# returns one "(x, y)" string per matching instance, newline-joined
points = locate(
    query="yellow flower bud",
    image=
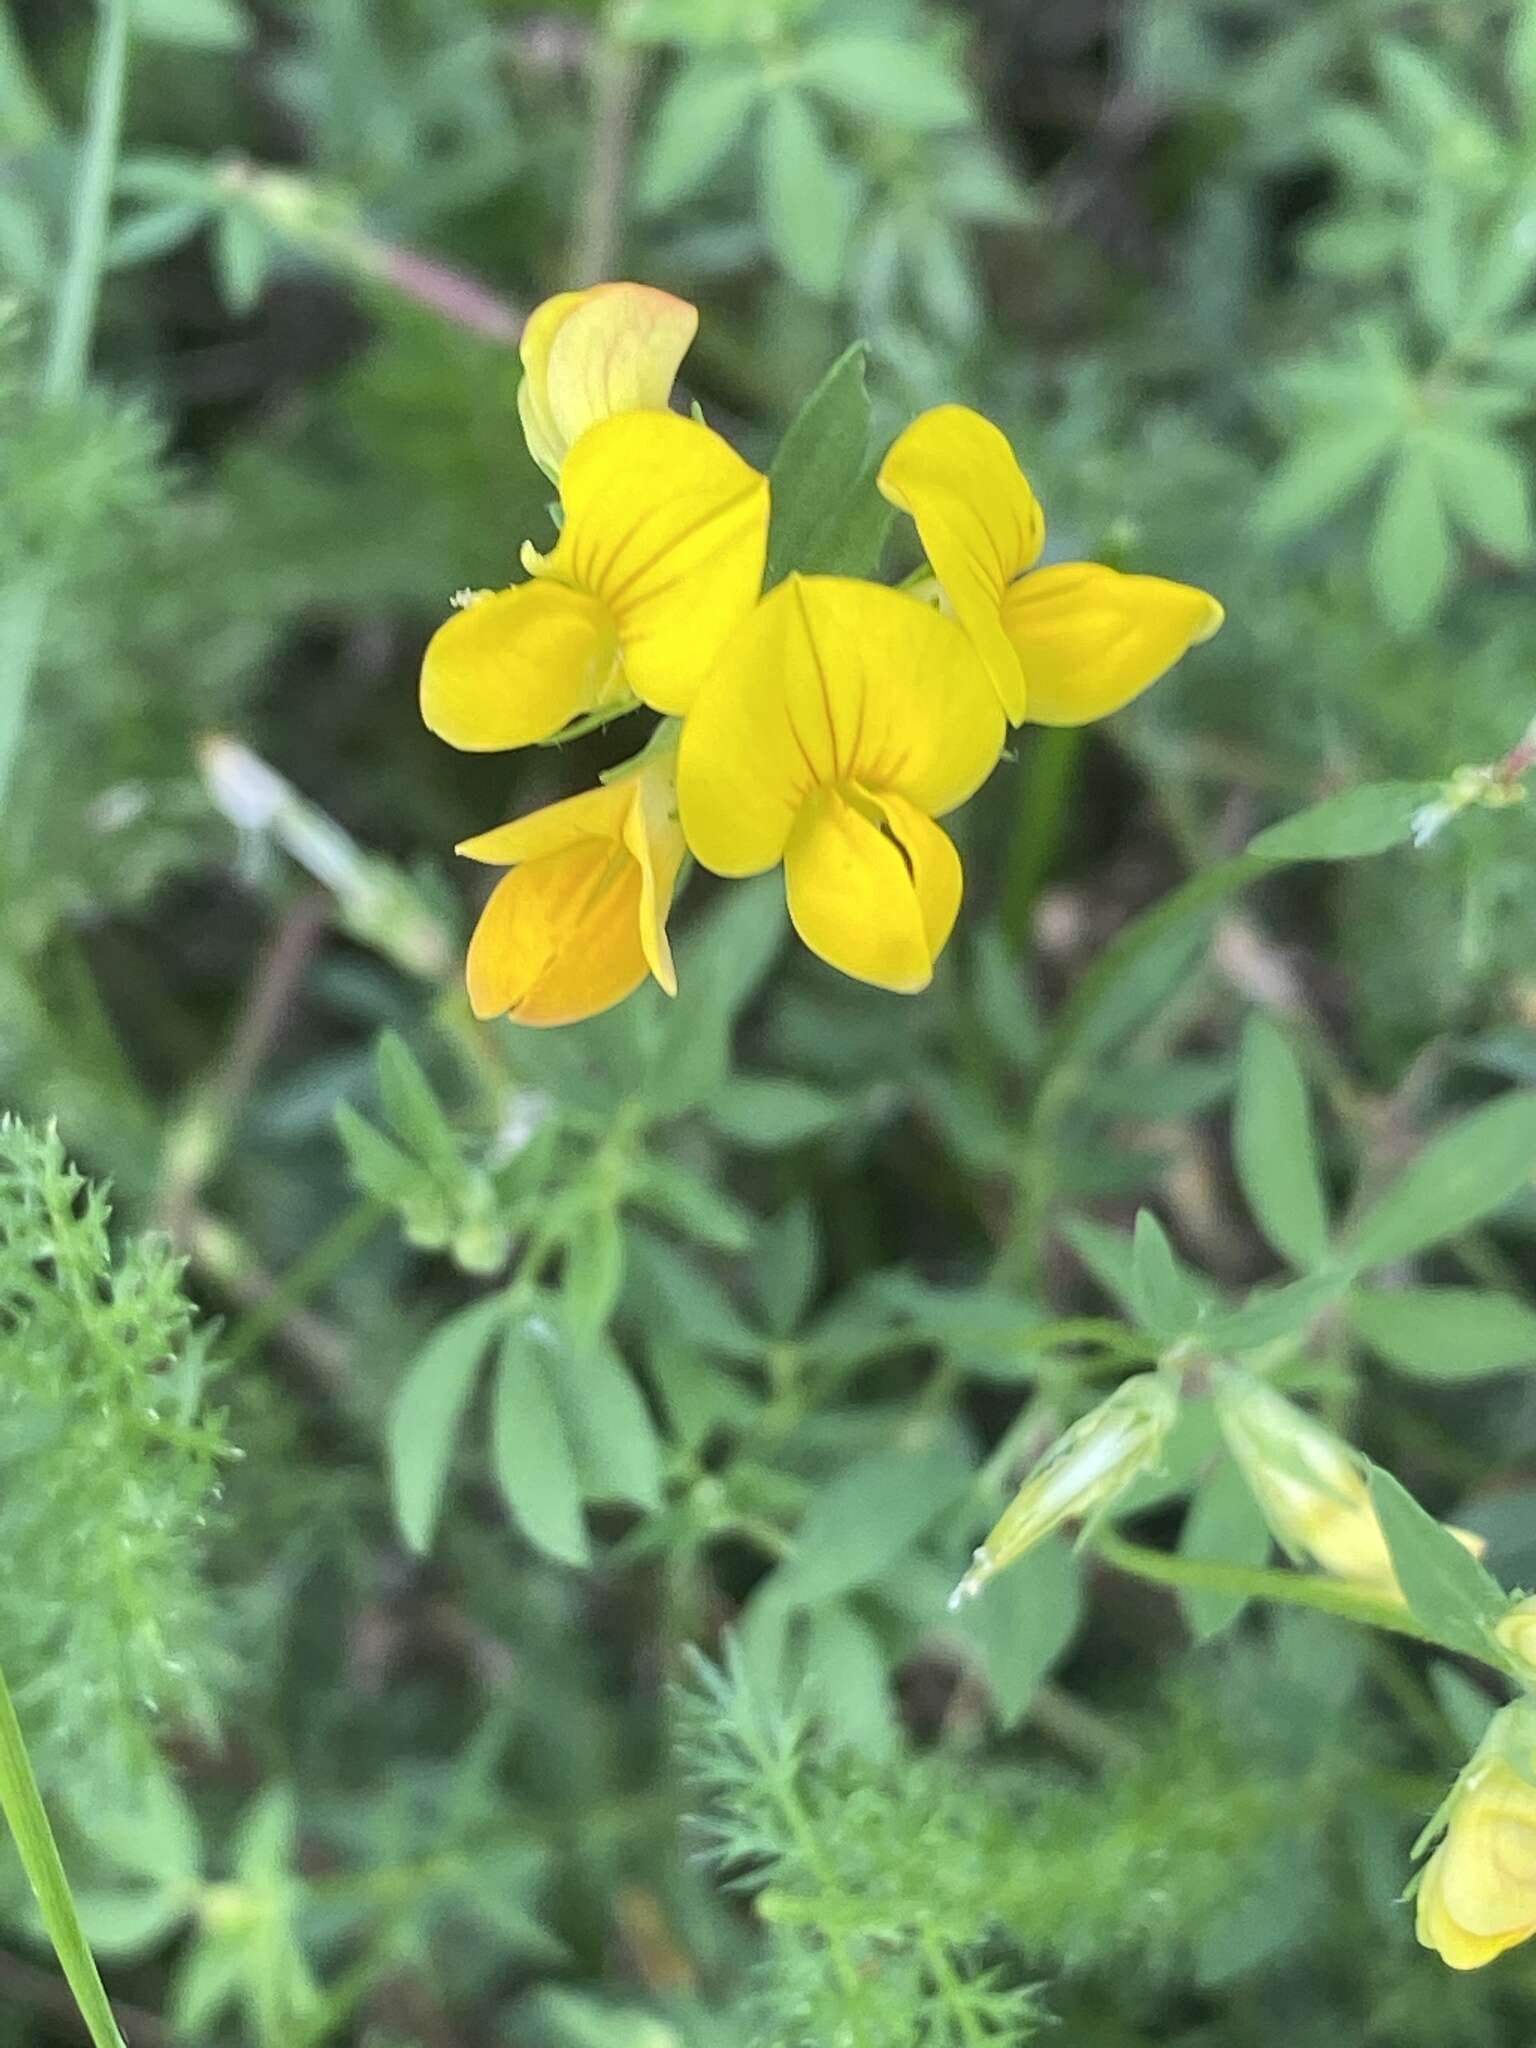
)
(1087, 1466)
(1517, 1633)
(1311, 1486)
(1477, 1895)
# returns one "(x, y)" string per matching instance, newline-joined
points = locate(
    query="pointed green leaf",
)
(1276, 1147)
(424, 1415)
(1461, 1176)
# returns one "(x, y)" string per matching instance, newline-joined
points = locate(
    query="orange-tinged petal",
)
(668, 528)
(851, 896)
(516, 665)
(589, 355)
(831, 681)
(978, 520)
(559, 938)
(1089, 639)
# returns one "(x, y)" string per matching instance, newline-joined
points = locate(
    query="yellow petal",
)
(515, 666)
(933, 864)
(978, 520)
(655, 840)
(559, 938)
(591, 354)
(595, 814)
(831, 681)
(1090, 639)
(668, 528)
(1439, 1927)
(851, 895)
(1488, 1858)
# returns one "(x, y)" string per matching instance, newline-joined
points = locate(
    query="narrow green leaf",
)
(1445, 1333)
(1165, 1300)
(1276, 1147)
(769, 1113)
(862, 1521)
(1273, 1312)
(1023, 1623)
(200, 24)
(827, 516)
(887, 78)
(1447, 1590)
(1485, 485)
(424, 1414)
(701, 115)
(412, 1107)
(1322, 472)
(1410, 555)
(1368, 819)
(530, 1449)
(1461, 1176)
(613, 1443)
(698, 1209)
(848, 1677)
(1223, 1525)
(809, 199)
(27, 1819)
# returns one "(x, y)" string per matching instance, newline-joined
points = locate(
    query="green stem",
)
(75, 313)
(25, 610)
(616, 74)
(25, 116)
(25, 1815)
(1042, 808)
(319, 1266)
(1290, 1589)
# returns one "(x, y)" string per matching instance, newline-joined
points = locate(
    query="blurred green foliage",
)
(731, 1323)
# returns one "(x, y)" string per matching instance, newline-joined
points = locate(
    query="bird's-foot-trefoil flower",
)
(1477, 1892)
(1310, 1485)
(1516, 1633)
(581, 918)
(1064, 644)
(660, 557)
(1088, 1466)
(590, 354)
(839, 722)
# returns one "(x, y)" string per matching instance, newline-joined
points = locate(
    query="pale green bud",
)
(1089, 1465)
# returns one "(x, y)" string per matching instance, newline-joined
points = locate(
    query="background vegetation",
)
(353, 1569)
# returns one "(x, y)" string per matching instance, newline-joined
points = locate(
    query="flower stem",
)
(616, 72)
(25, 1815)
(64, 366)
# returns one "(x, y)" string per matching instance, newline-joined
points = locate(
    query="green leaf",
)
(665, 1288)
(696, 1208)
(786, 1266)
(424, 1414)
(1447, 1590)
(1365, 820)
(887, 78)
(848, 1679)
(608, 1427)
(1484, 484)
(1166, 1302)
(530, 1451)
(827, 517)
(1023, 1622)
(201, 24)
(413, 1109)
(1461, 1176)
(1108, 1254)
(1273, 1312)
(242, 256)
(1410, 555)
(1445, 1333)
(379, 1168)
(861, 1522)
(593, 1272)
(720, 967)
(809, 200)
(1276, 1147)
(1223, 1525)
(1325, 469)
(769, 1113)
(704, 111)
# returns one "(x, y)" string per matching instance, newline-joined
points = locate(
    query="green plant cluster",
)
(567, 1657)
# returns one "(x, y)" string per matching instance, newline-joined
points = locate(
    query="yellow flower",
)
(1311, 1487)
(582, 917)
(660, 556)
(588, 355)
(1063, 645)
(1477, 1896)
(839, 723)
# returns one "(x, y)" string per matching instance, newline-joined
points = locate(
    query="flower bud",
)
(1517, 1633)
(1090, 1464)
(1477, 1893)
(1310, 1485)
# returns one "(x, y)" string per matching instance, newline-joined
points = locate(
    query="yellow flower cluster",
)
(825, 726)
(1477, 1892)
